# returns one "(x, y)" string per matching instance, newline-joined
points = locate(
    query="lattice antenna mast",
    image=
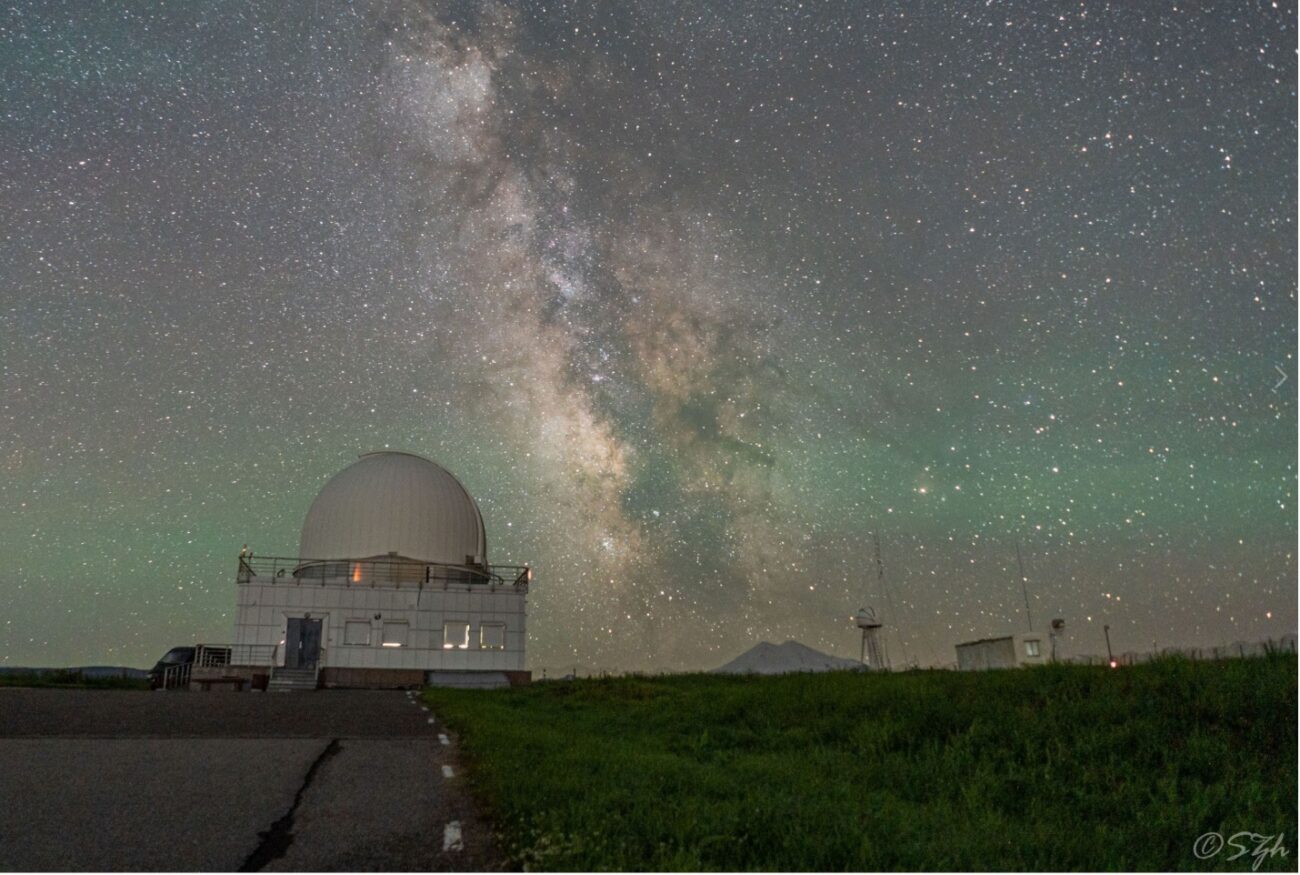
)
(889, 598)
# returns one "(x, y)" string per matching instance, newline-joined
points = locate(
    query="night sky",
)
(692, 298)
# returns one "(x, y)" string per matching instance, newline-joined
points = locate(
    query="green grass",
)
(72, 680)
(1057, 768)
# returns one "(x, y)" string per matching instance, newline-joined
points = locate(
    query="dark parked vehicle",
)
(172, 659)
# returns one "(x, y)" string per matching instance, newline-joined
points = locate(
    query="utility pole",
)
(1024, 588)
(1110, 657)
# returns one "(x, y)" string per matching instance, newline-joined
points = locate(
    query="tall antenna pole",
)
(1024, 588)
(889, 599)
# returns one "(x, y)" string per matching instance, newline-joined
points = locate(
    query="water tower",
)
(873, 652)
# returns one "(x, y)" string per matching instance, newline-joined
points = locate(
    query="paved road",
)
(331, 780)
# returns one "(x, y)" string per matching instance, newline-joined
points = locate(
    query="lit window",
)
(395, 634)
(1031, 648)
(356, 632)
(492, 636)
(455, 635)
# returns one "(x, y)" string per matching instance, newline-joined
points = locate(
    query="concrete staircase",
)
(287, 680)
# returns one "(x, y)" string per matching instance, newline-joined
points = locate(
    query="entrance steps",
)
(286, 680)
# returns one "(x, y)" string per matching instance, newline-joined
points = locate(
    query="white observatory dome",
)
(399, 503)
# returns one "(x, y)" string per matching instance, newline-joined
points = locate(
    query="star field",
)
(693, 298)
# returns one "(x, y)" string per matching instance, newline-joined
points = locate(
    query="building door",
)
(302, 643)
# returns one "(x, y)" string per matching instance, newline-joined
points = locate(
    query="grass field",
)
(1062, 767)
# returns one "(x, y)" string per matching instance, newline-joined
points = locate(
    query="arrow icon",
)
(1278, 368)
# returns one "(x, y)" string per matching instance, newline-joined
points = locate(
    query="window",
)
(455, 635)
(356, 632)
(1031, 647)
(492, 636)
(395, 634)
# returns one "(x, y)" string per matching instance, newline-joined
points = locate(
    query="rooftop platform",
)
(389, 572)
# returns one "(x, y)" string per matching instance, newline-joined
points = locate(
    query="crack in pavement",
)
(277, 838)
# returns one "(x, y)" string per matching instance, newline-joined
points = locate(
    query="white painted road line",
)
(430, 719)
(444, 739)
(451, 837)
(447, 772)
(424, 707)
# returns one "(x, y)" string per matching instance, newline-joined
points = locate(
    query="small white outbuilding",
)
(1007, 651)
(391, 587)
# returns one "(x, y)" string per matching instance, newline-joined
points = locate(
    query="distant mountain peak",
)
(791, 656)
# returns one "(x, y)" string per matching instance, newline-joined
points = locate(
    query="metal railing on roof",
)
(393, 571)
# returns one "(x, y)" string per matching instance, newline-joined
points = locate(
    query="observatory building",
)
(391, 587)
